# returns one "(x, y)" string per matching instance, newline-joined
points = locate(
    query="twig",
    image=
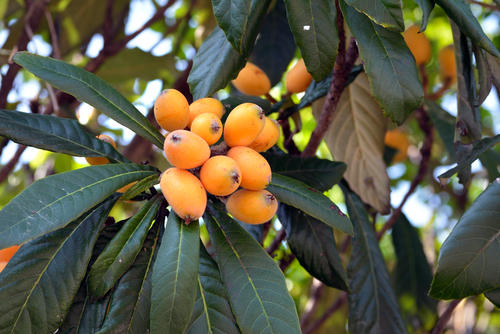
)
(286, 262)
(485, 5)
(440, 92)
(5, 171)
(445, 317)
(280, 236)
(270, 98)
(334, 307)
(317, 290)
(54, 39)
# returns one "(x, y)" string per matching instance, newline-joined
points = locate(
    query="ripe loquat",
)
(298, 79)
(171, 110)
(255, 170)
(185, 149)
(252, 207)
(267, 137)
(208, 126)
(397, 139)
(101, 160)
(206, 104)
(184, 192)
(6, 254)
(418, 44)
(252, 81)
(447, 64)
(220, 175)
(243, 124)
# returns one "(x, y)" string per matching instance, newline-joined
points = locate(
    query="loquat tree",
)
(249, 166)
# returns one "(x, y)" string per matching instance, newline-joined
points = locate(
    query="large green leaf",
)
(174, 279)
(214, 65)
(468, 259)
(141, 186)
(491, 160)
(309, 200)
(372, 304)
(494, 296)
(54, 201)
(390, 66)
(240, 20)
(89, 88)
(131, 299)
(459, 11)
(254, 283)
(38, 285)
(212, 312)
(320, 174)
(121, 252)
(313, 244)
(54, 134)
(313, 24)
(427, 6)
(386, 13)
(444, 124)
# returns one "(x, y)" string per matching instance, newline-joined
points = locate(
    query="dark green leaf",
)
(372, 304)
(444, 124)
(212, 312)
(427, 6)
(141, 186)
(494, 296)
(38, 285)
(255, 230)
(275, 46)
(54, 201)
(309, 200)
(175, 273)
(386, 13)
(459, 11)
(387, 60)
(54, 134)
(131, 298)
(314, 245)
(468, 258)
(321, 174)
(240, 20)
(477, 149)
(313, 24)
(89, 88)
(484, 75)
(214, 65)
(255, 285)
(491, 160)
(121, 252)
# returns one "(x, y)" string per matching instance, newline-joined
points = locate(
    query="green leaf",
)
(477, 149)
(313, 24)
(484, 75)
(494, 296)
(54, 134)
(212, 312)
(444, 124)
(52, 202)
(372, 304)
(214, 65)
(309, 200)
(38, 285)
(131, 299)
(468, 258)
(254, 283)
(240, 20)
(386, 13)
(314, 245)
(491, 160)
(141, 186)
(459, 11)
(387, 59)
(320, 174)
(91, 89)
(121, 252)
(174, 279)
(427, 6)
(275, 47)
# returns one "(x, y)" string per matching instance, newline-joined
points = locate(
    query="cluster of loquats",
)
(233, 168)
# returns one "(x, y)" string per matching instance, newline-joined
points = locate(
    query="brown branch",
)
(317, 290)
(337, 304)
(485, 5)
(5, 171)
(445, 317)
(285, 262)
(440, 92)
(280, 236)
(54, 39)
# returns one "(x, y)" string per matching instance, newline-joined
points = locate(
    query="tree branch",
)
(280, 236)
(338, 303)
(7, 169)
(445, 317)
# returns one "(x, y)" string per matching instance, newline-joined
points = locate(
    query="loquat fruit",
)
(397, 139)
(252, 80)
(255, 170)
(171, 110)
(208, 126)
(298, 79)
(418, 44)
(184, 192)
(6, 254)
(267, 137)
(185, 149)
(447, 64)
(243, 124)
(252, 206)
(101, 160)
(206, 104)
(220, 175)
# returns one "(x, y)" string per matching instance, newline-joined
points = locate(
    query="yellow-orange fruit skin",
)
(252, 206)
(171, 110)
(447, 64)
(243, 124)
(6, 254)
(126, 187)
(204, 105)
(184, 192)
(185, 149)
(208, 126)
(101, 160)
(255, 170)
(252, 81)
(298, 79)
(220, 175)
(418, 44)
(267, 137)
(398, 140)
